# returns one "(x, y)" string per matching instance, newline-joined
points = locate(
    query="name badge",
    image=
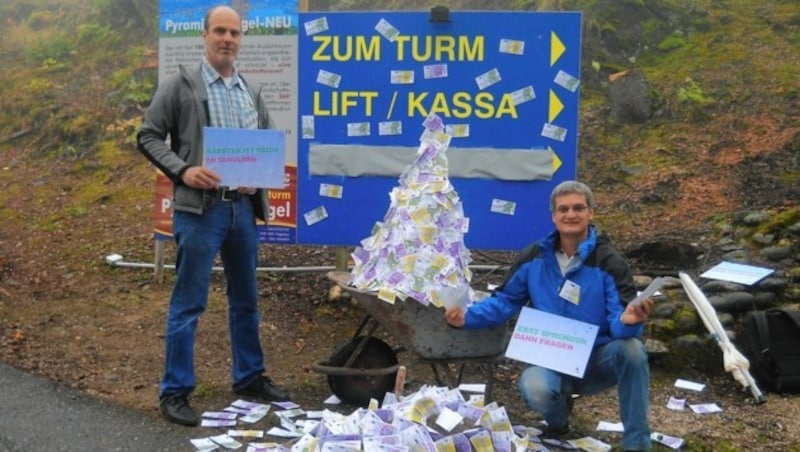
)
(570, 292)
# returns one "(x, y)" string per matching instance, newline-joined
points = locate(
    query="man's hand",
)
(636, 312)
(247, 190)
(201, 178)
(454, 316)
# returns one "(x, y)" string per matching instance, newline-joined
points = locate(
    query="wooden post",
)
(342, 256)
(158, 264)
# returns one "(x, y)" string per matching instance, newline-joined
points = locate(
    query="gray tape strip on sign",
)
(467, 163)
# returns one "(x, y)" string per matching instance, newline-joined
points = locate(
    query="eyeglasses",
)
(577, 208)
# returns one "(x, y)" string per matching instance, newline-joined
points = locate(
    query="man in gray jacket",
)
(208, 218)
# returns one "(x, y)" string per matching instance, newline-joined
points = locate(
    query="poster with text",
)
(268, 61)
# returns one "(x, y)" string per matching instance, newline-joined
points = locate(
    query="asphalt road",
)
(40, 415)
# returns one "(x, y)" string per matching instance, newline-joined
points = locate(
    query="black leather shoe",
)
(176, 409)
(262, 388)
(556, 432)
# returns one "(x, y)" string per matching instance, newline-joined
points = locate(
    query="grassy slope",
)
(78, 95)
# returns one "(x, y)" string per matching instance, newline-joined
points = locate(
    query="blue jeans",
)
(621, 362)
(227, 227)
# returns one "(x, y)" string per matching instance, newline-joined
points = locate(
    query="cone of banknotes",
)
(417, 251)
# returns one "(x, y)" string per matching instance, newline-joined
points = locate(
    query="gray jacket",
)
(179, 109)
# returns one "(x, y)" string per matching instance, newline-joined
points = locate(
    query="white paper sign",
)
(552, 341)
(246, 157)
(738, 273)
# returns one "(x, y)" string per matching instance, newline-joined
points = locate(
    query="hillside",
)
(722, 138)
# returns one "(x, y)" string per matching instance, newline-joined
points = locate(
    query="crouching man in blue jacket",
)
(576, 273)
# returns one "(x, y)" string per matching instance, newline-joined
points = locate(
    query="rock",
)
(776, 253)
(763, 239)
(688, 322)
(642, 281)
(655, 347)
(716, 286)
(772, 284)
(732, 302)
(763, 300)
(755, 218)
(726, 319)
(629, 99)
(737, 256)
(664, 310)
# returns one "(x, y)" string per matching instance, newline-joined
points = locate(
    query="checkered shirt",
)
(229, 104)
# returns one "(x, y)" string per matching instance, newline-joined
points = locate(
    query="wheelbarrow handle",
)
(349, 371)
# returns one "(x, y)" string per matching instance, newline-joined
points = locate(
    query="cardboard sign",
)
(246, 157)
(552, 341)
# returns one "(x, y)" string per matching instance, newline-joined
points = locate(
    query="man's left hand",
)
(636, 312)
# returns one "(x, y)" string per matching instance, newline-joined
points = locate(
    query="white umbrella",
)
(733, 360)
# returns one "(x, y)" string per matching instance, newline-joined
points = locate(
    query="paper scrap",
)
(390, 128)
(610, 426)
(387, 30)
(307, 126)
(488, 79)
(554, 132)
(512, 46)
(204, 444)
(226, 441)
(676, 404)
(401, 77)
(669, 441)
(315, 26)
(217, 423)
(523, 95)
(472, 387)
(316, 215)
(503, 206)
(649, 291)
(328, 78)
(690, 385)
(566, 81)
(590, 444)
(246, 433)
(430, 71)
(706, 408)
(448, 419)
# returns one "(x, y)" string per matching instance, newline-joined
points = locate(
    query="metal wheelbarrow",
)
(366, 367)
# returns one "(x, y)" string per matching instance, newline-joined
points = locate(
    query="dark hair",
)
(569, 187)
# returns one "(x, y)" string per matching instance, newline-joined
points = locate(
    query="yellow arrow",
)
(556, 107)
(556, 48)
(556, 160)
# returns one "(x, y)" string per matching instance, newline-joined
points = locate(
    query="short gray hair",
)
(569, 187)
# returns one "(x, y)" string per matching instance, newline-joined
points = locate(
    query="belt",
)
(225, 195)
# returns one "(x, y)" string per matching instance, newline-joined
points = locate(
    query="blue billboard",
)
(505, 84)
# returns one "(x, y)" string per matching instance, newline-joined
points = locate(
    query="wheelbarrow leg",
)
(443, 374)
(364, 340)
(373, 325)
(487, 395)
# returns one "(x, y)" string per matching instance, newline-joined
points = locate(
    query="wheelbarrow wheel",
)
(358, 390)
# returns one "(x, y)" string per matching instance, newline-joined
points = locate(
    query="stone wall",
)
(677, 337)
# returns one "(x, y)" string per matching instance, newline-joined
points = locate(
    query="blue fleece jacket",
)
(602, 276)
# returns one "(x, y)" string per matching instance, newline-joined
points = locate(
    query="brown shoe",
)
(262, 388)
